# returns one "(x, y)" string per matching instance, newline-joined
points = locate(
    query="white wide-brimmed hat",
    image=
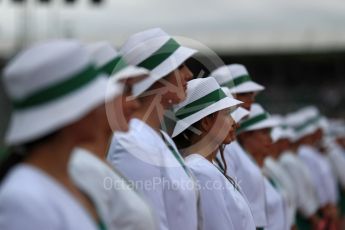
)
(109, 61)
(304, 121)
(51, 85)
(239, 113)
(156, 51)
(204, 97)
(236, 78)
(258, 119)
(281, 131)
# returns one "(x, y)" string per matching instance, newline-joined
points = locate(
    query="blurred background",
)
(296, 48)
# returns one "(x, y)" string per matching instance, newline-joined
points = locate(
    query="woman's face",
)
(121, 109)
(247, 98)
(175, 85)
(223, 128)
(258, 143)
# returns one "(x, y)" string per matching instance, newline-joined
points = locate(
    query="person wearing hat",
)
(240, 166)
(336, 155)
(203, 126)
(118, 205)
(146, 155)
(48, 85)
(254, 136)
(307, 200)
(310, 134)
(276, 172)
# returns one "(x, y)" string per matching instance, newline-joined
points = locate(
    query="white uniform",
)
(321, 172)
(32, 200)
(276, 215)
(144, 158)
(336, 156)
(275, 171)
(118, 205)
(223, 207)
(248, 175)
(307, 199)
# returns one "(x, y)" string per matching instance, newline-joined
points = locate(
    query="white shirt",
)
(32, 200)
(336, 155)
(248, 175)
(321, 172)
(223, 207)
(276, 172)
(276, 215)
(119, 206)
(307, 199)
(144, 158)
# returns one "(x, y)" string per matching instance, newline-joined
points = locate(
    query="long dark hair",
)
(183, 140)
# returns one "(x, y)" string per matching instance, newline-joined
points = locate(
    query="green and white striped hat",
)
(236, 78)
(240, 112)
(156, 51)
(204, 97)
(305, 121)
(51, 85)
(258, 119)
(109, 61)
(282, 131)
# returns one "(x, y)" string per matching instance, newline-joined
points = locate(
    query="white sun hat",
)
(156, 51)
(236, 78)
(304, 121)
(109, 61)
(51, 85)
(258, 119)
(204, 97)
(281, 131)
(239, 113)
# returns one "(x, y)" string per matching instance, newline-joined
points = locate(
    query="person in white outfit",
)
(240, 166)
(146, 155)
(58, 98)
(254, 136)
(275, 171)
(203, 126)
(117, 203)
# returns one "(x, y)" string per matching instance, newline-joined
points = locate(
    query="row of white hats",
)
(55, 83)
(57, 76)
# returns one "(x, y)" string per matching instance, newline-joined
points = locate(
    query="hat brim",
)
(239, 114)
(129, 72)
(36, 122)
(247, 87)
(163, 69)
(265, 124)
(185, 123)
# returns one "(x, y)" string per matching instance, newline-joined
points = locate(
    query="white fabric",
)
(249, 177)
(256, 110)
(197, 89)
(276, 216)
(142, 45)
(45, 65)
(118, 205)
(276, 172)
(336, 156)
(239, 114)
(321, 172)
(228, 73)
(31, 200)
(144, 158)
(307, 199)
(223, 207)
(103, 52)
